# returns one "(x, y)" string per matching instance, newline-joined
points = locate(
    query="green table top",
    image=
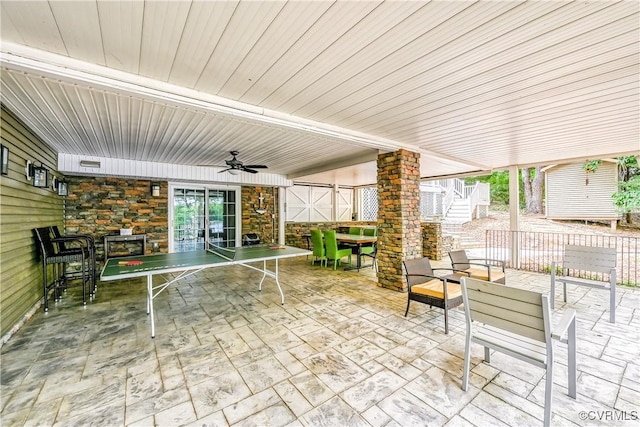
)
(118, 268)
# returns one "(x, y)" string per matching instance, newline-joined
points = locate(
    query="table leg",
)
(278, 283)
(264, 274)
(150, 304)
(358, 263)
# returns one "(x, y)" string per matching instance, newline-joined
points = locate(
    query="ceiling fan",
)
(235, 165)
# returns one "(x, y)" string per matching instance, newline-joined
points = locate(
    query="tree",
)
(628, 167)
(530, 198)
(627, 198)
(532, 184)
(499, 185)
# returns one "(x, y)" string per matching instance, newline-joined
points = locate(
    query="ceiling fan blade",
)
(224, 170)
(249, 170)
(255, 166)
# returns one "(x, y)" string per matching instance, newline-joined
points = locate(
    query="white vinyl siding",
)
(568, 196)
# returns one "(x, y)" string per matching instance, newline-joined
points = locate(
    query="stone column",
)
(399, 230)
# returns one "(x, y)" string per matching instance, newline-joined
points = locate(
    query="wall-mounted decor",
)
(4, 160)
(261, 207)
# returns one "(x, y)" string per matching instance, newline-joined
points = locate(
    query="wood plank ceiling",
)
(315, 89)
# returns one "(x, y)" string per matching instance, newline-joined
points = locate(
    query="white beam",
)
(514, 214)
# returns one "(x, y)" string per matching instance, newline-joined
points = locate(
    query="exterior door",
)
(222, 228)
(200, 215)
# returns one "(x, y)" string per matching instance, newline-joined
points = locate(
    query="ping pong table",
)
(189, 263)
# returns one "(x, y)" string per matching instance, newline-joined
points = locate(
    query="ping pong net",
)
(226, 253)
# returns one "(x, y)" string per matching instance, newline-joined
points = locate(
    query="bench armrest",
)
(487, 266)
(452, 269)
(64, 239)
(424, 275)
(86, 237)
(487, 261)
(561, 329)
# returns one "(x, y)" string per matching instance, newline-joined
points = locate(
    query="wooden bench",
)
(517, 322)
(590, 259)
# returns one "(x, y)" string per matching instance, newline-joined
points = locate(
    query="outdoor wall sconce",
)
(60, 186)
(4, 157)
(260, 209)
(155, 189)
(40, 174)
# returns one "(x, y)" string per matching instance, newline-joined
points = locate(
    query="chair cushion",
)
(433, 288)
(482, 274)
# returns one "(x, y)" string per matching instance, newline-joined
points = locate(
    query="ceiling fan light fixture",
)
(234, 171)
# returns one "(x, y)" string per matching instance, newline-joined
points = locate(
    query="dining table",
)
(358, 241)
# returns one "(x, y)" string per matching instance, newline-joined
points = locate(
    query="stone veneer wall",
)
(399, 229)
(254, 222)
(103, 205)
(432, 241)
(435, 245)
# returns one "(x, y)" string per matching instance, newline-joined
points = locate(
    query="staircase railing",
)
(478, 194)
(447, 190)
(448, 197)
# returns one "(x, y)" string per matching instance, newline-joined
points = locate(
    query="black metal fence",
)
(536, 251)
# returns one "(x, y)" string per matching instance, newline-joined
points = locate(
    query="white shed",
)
(572, 193)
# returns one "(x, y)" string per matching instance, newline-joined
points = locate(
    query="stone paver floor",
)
(339, 352)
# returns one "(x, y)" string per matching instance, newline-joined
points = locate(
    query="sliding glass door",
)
(222, 217)
(199, 215)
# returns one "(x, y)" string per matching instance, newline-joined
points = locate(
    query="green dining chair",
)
(355, 230)
(331, 248)
(370, 250)
(370, 232)
(318, 247)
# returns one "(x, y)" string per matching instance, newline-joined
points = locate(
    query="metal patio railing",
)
(535, 251)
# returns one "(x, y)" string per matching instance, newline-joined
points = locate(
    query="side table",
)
(138, 238)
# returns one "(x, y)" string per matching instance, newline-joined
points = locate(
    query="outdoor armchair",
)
(427, 288)
(491, 270)
(517, 322)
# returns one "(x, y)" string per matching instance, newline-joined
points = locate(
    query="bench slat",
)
(500, 301)
(502, 291)
(584, 282)
(512, 343)
(588, 258)
(507, 325)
